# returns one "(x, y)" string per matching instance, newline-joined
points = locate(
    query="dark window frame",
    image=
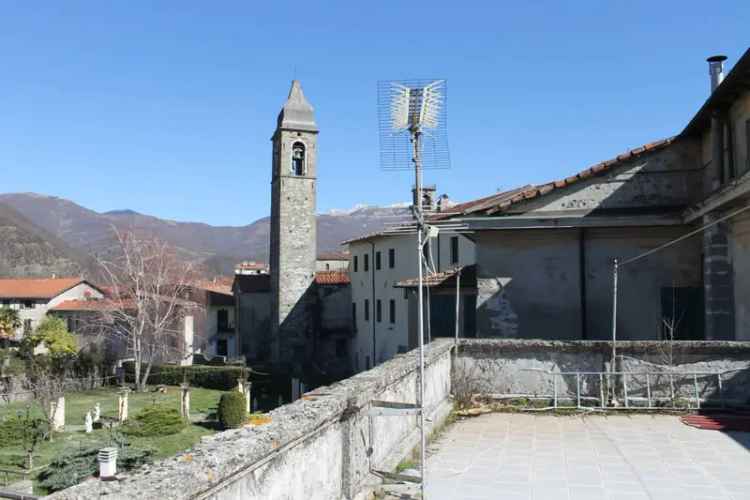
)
(391, 258)
(355, 263)
(366, 263)
(379, 311)
(454, 249)
(378, 260)
(367, 310)
(392, 311)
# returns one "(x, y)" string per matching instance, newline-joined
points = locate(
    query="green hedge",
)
(232, 406)
(222, 378)
(154, 421)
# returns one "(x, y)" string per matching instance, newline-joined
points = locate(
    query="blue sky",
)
(167, 107)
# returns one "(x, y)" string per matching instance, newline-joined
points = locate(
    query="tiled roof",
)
(251, 265)
(222, 284)
(30, 288)
(332, 278)
(445, 279)
(501, 202)
(85, 305)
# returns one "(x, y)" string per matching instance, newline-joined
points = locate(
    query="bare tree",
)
(149, 301)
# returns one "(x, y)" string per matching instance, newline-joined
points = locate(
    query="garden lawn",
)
(203, 402)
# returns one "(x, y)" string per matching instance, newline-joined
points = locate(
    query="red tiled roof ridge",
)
(332, 278)
(41, 288)
(513, 197)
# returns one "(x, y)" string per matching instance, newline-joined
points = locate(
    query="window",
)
(354, 315)
(222, 320)
(26, 326)
(379, 311)
(367, 309)
(222, 347)
(355, 263)
(454, 249)
(298, 159)
(328, 267)
(28, 304)
(367, 262)
(392, 311)
(391, 258)
(377, 261)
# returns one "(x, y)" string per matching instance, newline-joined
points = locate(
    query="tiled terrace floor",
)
(523, 456)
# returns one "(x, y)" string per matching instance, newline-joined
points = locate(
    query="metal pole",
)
(614, 330)
(420, 299)
(458, 300)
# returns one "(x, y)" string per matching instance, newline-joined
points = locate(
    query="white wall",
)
(40, 306)
(375, 285)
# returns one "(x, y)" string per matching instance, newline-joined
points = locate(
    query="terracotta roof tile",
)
(30, 288)
(85, 305)
(332, 278)
(500, 202)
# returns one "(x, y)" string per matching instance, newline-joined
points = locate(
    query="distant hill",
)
(218, 247)
(28, 250)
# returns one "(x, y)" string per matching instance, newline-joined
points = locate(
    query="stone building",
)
(545, 254)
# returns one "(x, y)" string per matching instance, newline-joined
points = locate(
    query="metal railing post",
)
(578, 389)
(601, 389)
(625, 388)
(721, 391)
(554, 390)
(697, 394)
(648, 389)
(671, 390)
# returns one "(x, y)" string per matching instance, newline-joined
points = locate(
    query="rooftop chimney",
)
(716, 70)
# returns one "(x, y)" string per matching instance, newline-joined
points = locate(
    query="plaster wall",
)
(531, 285)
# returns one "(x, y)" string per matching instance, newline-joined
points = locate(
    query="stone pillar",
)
(88, 422)
(122, 404)
(57, 412)
(240, 386)
(97, 412)
(107, 463)
(188, 337)
(718, 283)
(185, 401)
(248, 394)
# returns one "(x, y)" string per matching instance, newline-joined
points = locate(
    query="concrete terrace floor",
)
(539, 457)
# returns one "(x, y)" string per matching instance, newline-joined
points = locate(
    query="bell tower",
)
(293, 233)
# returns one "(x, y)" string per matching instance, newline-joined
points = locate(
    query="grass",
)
(203, 402)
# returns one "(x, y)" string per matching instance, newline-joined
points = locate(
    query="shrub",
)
(73, 466)
(232, 407)
(154, 421)
(222, 378)
(21, 429)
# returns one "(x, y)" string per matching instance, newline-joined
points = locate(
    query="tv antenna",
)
(413, 135)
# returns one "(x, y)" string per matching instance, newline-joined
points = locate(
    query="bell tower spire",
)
(293, 233)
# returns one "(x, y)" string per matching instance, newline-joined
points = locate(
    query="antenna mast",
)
(413, 135)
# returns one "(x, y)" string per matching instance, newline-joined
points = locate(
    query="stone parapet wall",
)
(320, 447)
(522, 367)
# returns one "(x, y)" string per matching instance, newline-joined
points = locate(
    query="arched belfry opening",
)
(298, 159)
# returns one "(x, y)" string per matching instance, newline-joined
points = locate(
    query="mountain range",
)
(43, 235)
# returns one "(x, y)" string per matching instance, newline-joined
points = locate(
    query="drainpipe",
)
(372, 303)
(582, 280)
(716, 71)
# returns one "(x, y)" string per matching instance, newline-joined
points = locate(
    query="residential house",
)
(381, 311)
(332, 261)
(33, 297)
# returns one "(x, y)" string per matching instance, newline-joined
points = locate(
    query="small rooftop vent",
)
(716, 70)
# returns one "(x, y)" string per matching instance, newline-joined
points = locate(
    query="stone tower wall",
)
(293, 248)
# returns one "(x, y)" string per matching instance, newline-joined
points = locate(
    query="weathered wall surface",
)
(320, 447)
(740, 254)
(533, 283)
(521, 366)
(254, 318)
(667, 178)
